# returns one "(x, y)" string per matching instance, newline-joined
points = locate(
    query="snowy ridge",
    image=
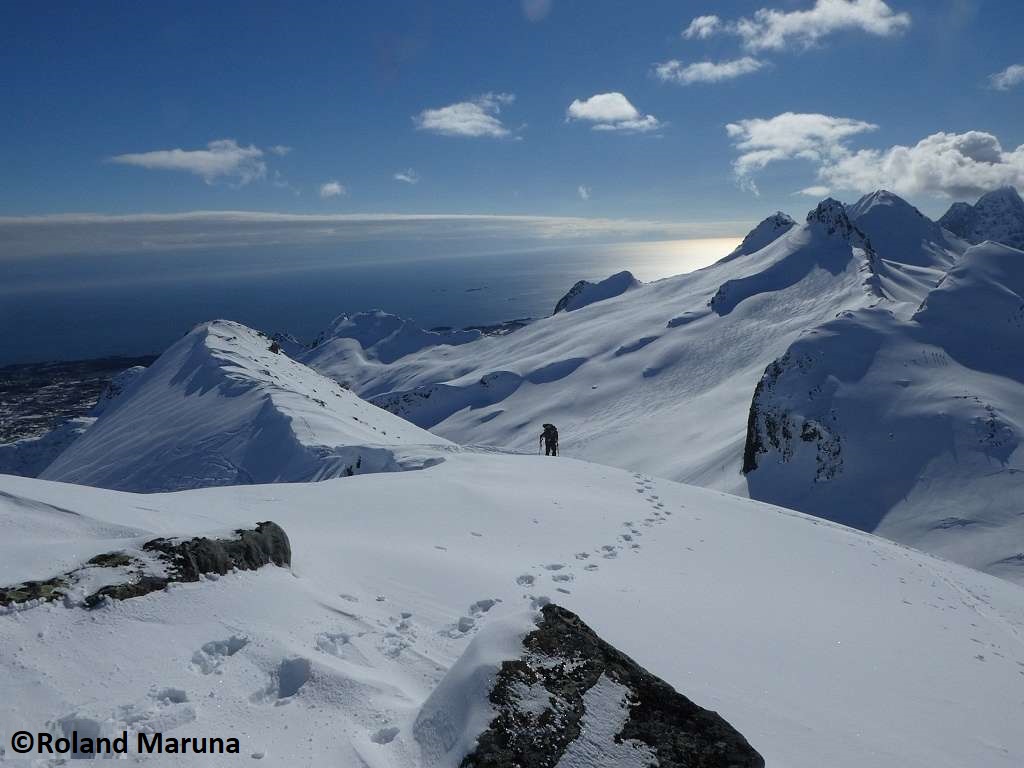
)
(908, 427)
(219, 407)
(332, 663)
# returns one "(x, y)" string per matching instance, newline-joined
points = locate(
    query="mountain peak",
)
(766, 232)
(832, 214)
(998, 216)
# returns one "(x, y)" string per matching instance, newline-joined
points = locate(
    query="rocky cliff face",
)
(997, 216)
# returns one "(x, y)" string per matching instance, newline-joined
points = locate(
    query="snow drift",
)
(819, 644)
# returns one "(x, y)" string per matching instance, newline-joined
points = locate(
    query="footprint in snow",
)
(385, 735)
(582, 555)
(481, 607)
(594, 567)
(554, 567)
(562, 577)
(526, 580)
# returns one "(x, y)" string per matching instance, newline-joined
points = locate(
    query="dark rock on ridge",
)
(565, 658)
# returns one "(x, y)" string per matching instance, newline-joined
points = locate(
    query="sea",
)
(78, 307)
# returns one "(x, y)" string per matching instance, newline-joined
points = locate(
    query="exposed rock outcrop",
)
(162, 561)
(570, 694)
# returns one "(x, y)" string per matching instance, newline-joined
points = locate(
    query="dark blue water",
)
(66, 308)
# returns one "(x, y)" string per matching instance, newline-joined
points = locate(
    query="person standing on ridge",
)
(550, 439)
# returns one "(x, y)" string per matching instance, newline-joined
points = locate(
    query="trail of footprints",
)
(561, 575)
(358, 643)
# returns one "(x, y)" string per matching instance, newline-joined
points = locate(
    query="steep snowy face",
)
(220, 407)
(900, 233)
(741, 607)
(913, 251)
(584, 293)
(765, 233)
(997, 216)
(909, 428)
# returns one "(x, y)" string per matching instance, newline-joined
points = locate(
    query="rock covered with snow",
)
(563, 696)
(584, 292)
(998, 216)
(220, 408)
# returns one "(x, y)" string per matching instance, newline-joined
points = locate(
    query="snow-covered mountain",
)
(997, 216)
(660, 377)
(219, 407)
(408, 592)
(908, 427)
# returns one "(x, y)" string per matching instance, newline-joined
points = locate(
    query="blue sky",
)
(316, 108)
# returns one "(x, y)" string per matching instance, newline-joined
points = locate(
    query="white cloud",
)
(583, 192)
(409, 176)
(814, 137)
(536, 10)
(814, 191)
(477, 117)
(771, 29)
(675, 71)
(224, 158)
(280, 150)
(612, 112)
(703, 27)
(332, 189)
(1008, 78)
(959, 165)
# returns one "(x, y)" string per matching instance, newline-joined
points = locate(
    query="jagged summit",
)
(831, 214)
(219, 407)
(998, 216)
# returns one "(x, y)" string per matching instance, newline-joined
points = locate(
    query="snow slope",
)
(909, 428)
(658, 378)
(998, 216)
(821, 645)
(218, 408)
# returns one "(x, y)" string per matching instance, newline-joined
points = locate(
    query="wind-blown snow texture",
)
(821, 645)
(220, 408)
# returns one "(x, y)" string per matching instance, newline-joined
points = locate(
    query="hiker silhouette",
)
(550, 439)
